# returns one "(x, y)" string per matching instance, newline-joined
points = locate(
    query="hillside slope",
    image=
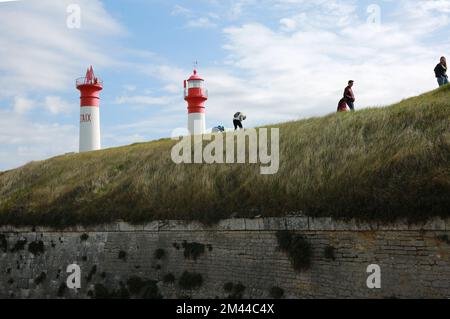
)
(376, 164)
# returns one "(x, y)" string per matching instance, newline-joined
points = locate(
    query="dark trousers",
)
(442, 80)
(351, 105)
(237, 124)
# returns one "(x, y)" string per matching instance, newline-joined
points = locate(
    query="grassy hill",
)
(376, 164)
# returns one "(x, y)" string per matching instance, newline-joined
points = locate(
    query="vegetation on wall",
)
(169, 279)
(159, 253)
(91, 274)
(40, 279)
(36, 247)
(143, 288)
(444, 238)
(236, 291)
(228, 287)
(330, 253)
(61, 290)
(297, 248)
(19, 245)
(193, 250)
(190, 280)
(276, 292)
(3, 243)
(122, 255)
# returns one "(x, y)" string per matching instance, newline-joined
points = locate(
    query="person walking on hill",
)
(441, 72)
(238, 119)
(349, 97)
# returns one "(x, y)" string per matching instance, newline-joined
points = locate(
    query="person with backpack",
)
(218, 129)
(441, 72)
(342, 106)
(349, 97)
(238, 119)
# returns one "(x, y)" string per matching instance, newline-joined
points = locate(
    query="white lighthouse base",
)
(90, 129)
(196, 123)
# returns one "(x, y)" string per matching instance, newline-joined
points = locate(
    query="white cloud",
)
(56, 105)
(143, 100)
(202, 22)
(288, 24)
(305, 72)
(38, 51)
(180, 10)
(23, 105)
(23, 140)
(195, 19)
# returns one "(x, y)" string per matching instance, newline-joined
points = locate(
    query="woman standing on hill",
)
(441, 72)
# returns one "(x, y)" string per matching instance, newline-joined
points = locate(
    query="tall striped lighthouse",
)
(89, 87)
(196, 96)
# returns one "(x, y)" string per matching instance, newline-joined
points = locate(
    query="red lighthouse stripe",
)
(89, 101)
(90, 95)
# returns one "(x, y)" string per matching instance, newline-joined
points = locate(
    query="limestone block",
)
(152, 227)
(195, 226)
(254, 224)
(232, 224)
(125, 227)
(323, 224)
(172, 225)
(273, 224)
(297, 223)
(435, 224)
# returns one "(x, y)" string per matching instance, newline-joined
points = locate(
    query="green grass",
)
(376, 164)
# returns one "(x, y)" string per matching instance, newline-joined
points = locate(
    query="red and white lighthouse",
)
(196, 96)
(90, 87)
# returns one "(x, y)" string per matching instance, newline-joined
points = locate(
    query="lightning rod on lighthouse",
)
(196, 96)
(89, 87)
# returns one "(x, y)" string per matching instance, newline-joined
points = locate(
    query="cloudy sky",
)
(275, 60)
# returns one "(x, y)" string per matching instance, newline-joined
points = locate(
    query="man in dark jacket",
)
(441, 72)
(349, 97)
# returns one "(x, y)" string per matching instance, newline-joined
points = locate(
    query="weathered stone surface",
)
(324, 223)
(398, 226)
(125, 227)
(231, 224)
(414, 259)
(297, 223)
(435, 224)
(172, 225)
(254, 224)
(274, 224)
(152, 227)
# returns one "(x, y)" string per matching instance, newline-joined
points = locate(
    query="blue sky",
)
(274, 60)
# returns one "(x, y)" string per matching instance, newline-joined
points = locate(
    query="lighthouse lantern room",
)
(196, 96)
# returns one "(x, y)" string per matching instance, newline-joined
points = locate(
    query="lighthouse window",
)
(195, 84)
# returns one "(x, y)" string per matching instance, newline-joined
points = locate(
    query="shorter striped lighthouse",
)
(196, 96)
(89, 87)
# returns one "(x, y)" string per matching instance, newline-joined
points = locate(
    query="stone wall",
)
(414, 259)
